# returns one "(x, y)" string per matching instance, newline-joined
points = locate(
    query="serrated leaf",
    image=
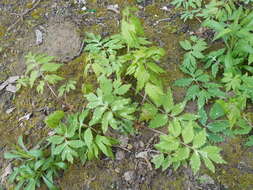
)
(222, 33)
(175, 127)
(218, 126)
(88, 137)
(192, 92)
(97, 115)
(52, 79)
(188, 133)
(158, 121)
(167, 144)
(166, 163)
(76, 143)
(178, 108)
(189, 117)
(185, 44)
(183, 82)
(181, 154)
(213, 153)
(155, 93)
(123, 89)
(203, 116)
(56, 139)
(158, 160)
(195, 162)
(215, 138)
(209, 164)
(148, 112)
(50, 67)
(54, 119)
(199, 139)
(168, 102)
(107, 117)
(249, 141)
(216, 111)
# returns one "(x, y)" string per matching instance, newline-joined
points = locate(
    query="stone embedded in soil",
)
(62, 40)
(120, 155)
(129, 176)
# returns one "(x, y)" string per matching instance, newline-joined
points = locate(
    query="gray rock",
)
(120, 155)
(129, 176)
(39, 37)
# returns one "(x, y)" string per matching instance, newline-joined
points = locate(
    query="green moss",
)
(38, 13)
(2, 31)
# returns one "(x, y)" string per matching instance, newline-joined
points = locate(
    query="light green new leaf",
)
(178, 108)
(97, 115)
(50, 67)
(168, 102)
(181, 154)
(56, 139)
(155, 93)
(175, 127)
(213, 153)
(199, 139)
(188, 133)
(107, 117)
(76, 143)
(158, 160)
(158, 121)
(148, 112)
(54, 119)
(195, 162)
(88, 137)
(209, 164)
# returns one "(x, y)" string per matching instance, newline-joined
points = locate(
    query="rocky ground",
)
(57, 27)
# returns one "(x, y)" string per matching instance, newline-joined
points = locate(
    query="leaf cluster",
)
(40, 68)
(110, 107)
(76, 139)
(35, 168)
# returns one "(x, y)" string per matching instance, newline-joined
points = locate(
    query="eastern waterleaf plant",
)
(185, 142)
(102, 57)
(40, 71)
(228, 119)
(36, 167)
(200, 88)
(110, 107)
(74, 138)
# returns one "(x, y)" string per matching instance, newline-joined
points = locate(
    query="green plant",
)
(201, 88)
(67, 87)
(75, 139)
(142, 65)
(194, 48)
(132, 32)
(187, 3)
(185, 137)
(39, 68)
(35, 167)
(102, 56)
(110, 107)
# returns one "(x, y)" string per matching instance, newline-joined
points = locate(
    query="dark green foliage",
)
(110, 107)
(35, 168)
(75, 139)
